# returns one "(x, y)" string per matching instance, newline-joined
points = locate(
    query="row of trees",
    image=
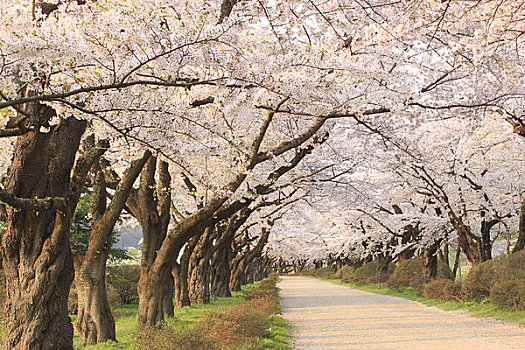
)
(459, 189)
(196, 117)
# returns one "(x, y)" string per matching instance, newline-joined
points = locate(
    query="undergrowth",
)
(246, 323)
(247, 320)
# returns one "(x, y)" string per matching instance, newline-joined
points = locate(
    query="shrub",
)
(345, 273)
(510, 293)
(123, 279)
(443, 289)
(114, 299)
(236, 326)
(510, 267)
(233, 325)
(324, 272)
(273, 276)
(169, 338)
(500, 278)
(479, 280)
(504, 278)
(368, 274)
(261, 293)
(409, 273)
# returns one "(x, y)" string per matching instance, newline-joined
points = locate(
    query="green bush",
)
(368, 274)
(509, 294)
(409, 273)
(479, 280)
(123, 280)
(443, 289)
(324, 272)
(484, 276)
(266, 289)
(273, 276)
(345, 274)
(236, 324)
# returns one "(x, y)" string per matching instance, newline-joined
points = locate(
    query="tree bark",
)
(220, 277)
(465, 240)
(95, 322)
(150, 205)
(36, 256)
(180, 275)
(430, 262)
(240, 271)
(456, 265)
(520, 243)
(199, 269)
(237, 276)
(485, 245)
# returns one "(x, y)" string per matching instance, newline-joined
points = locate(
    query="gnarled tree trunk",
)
(95, 322)
(199, 270)
(240, 271)
(180, 275)
(151, 207)
(468, 245)
(220, 277)
(37, 259)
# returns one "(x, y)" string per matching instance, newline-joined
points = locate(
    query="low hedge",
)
(409, 273)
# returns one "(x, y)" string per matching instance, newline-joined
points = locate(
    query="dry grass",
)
(235, 326)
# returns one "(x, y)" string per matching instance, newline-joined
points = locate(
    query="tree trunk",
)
(35, 247)
(220, 277)
(486, 241)
(430, 262)
(456, 265)
(383, 261)
(180, 275)
(94, 323)
(465, 240)
(199, 270)
(152, 290)
(446, 253)
(520, 243)
(150, 205)
(237, 273)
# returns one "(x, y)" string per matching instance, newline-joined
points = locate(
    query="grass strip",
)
(208, 326)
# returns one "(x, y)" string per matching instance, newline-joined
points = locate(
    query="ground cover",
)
(247, 320)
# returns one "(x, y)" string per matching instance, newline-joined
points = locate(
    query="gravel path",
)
(328, 316)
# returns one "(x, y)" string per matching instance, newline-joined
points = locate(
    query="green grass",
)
(476, 308)
(126, 324)
(279, 337)
(125, 327)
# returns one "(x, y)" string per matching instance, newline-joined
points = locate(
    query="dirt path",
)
(328, 316)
